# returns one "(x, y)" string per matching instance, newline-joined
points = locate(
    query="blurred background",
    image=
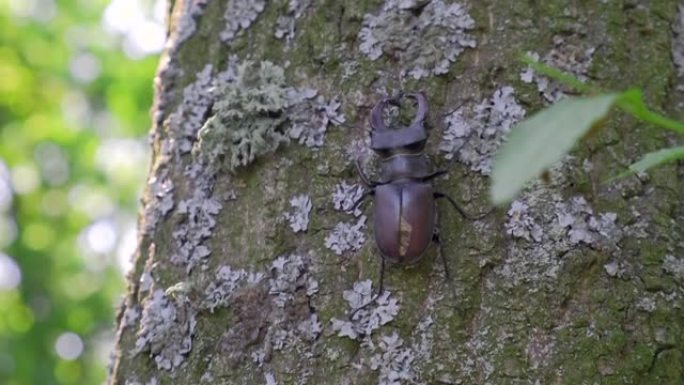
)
(75, 93)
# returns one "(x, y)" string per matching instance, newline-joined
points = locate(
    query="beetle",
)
(404, 204)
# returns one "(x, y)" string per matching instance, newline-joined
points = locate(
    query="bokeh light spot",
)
(143, 34)
(120, 16)
(127, 245)
(69, 346)
(123, 160)
(5, 189)
(25, 178)
(10, 273)
(82, 285)
(85, 67)
(101, 236)
(91, 200)
(147, 38)
(76, 110)
(53, 163)
(41, 10)
(8, 231)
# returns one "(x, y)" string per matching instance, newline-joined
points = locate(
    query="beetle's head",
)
(388, 141)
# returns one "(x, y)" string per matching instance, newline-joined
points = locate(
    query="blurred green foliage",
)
(73, 157)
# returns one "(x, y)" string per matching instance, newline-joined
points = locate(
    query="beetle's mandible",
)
(404, 200)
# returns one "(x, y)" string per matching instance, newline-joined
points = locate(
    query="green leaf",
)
(653, 159)
(632, 101)
(556, 74)
(535, 144)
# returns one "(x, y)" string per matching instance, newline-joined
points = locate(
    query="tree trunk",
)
(252, 260)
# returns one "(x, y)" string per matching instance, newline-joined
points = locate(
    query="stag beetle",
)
(404, 201)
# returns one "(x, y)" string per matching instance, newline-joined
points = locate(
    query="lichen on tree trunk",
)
(252, 259)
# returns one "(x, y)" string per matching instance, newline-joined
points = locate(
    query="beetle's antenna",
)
(439, 195)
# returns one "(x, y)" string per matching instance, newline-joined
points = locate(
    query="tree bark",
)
(251, 260)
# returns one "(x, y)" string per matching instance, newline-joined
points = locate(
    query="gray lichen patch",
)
(394, 361)
(582, 226)
(675, 266)
(346, 196)
(197, 219)
(198, 97)
(474, 133)
(166, 329)
(544, 239)
(270, 379)
(647, 304)
(285, 25)
(423, 342)
(310, 115)
(367, 313)
(130, 316)
(289, 275)
(563, 56)
(269, 314)
(183, 125)
(161, 202)
(247, 116)
(678, 43)
(521, 225)
(347, 236)
(219, 292)
(187, 25)
(299, 216)
(294, 323)
(426, 37)
(256, 111)
(152, 381)
(540, 348)
(484, 344)
(239, 15)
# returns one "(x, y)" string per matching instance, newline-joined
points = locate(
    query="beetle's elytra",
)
(404, 199)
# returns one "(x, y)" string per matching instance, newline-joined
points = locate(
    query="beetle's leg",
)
(447, 272)
(439, 195)
(362, 198)
(439, 173)
(381, 287)
(435, 239)
(369, 183)
(434, 175)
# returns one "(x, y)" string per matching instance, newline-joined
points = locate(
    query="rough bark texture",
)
(247, 274)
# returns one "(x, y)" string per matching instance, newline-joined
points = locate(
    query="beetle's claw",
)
(376, 120)
(422, 108)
